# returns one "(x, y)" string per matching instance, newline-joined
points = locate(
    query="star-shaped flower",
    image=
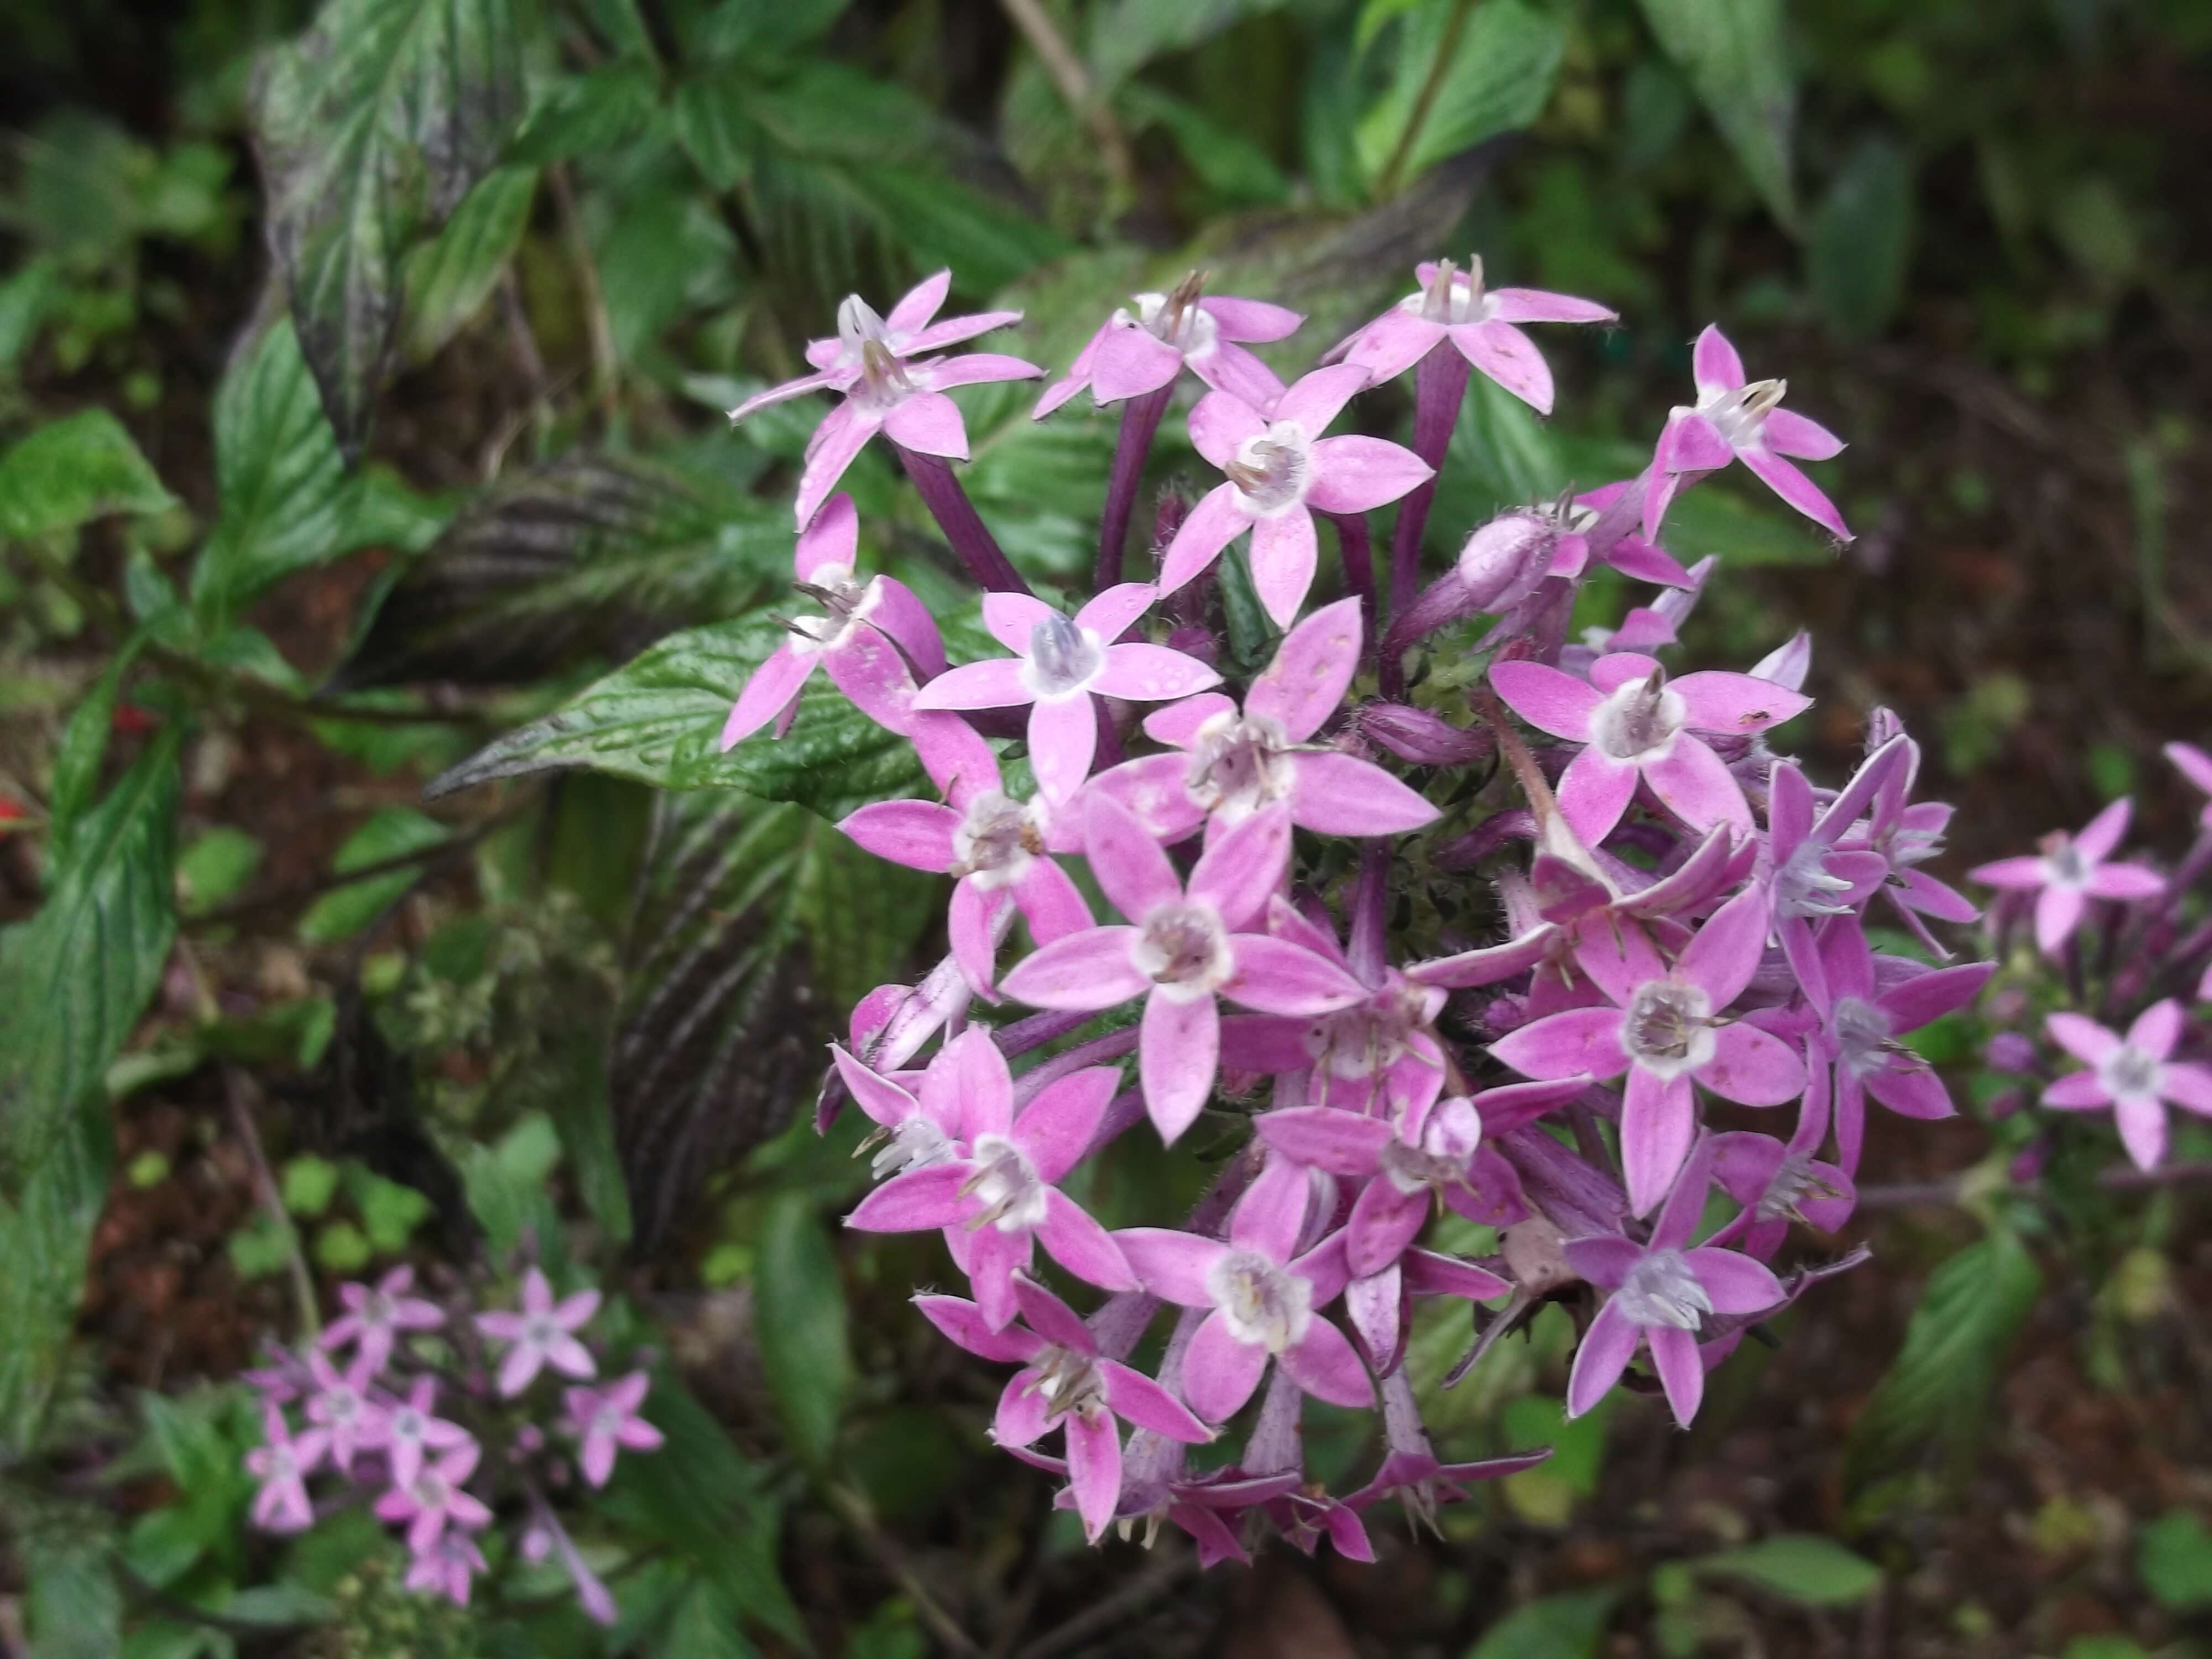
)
(606, 1420)
(1449, 304)
(1143, 346)
(2135, 1076)
(543, 1334)
(2071, 871)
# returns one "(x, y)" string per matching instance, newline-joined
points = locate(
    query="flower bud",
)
(2008, 1051)
(1535, 1255)
(1423, 738)
(1504, 559)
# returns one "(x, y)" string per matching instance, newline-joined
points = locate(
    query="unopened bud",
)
(1197, 642)
(2008, 1051)
(1536, 1257)
(1423, 738)
(1504, 559)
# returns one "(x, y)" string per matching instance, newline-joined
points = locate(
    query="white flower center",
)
(1639, 721)
(1176, 319)
(2129, 1073)
(1373, 1036)
(539, 1331)
(846, 602)
(1802, 885)
(1661, 1290)
(1667, 1027)
(1183, 949)
(1238, 764)
(431, 1491)
(1864, 1036)
(1063, 660)
(916, 1144)
(1069, 1383)
(342, 1405)
(407, 1423)
(1413, 1168)
(2066, 866)
(1263, 1303)
(1741, 415)
(1006, 1186)
(1793, 1179)
(995, 841)
(1452, 295)
(1270, 471)
(606, 1421)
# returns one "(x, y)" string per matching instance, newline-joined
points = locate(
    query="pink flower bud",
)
(1426, 740)
(1504, 559)
(2008, 1051)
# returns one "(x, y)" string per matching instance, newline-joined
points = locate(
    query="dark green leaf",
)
(371, 128)
(1800, 1567)
(659, 719)
(2174, 1558)
(589, 113)
(746, 29)
(71, 472)
(588, 557)
(216, 866)
(1232, 165)
(506, 1187)
(83, 745)
(1567, 1627)
(75, 1606)
(944, 222)
(1732, 52)
(798, 1305)
(449, 279)
(1126, 34)
(1862, 240)
(1935, 1398)
(1498, 78)
(391, 832)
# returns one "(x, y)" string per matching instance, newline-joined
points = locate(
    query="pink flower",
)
(434, 1500)
(281, 1464)
(1809, 877)
(1184, 949)
(858, 640)
(542, 1334)
(1665, 1030)
(995, 1188)
(994, 846)
(1065, 1382)
(607, 1418)
(1908, 833)
(1634, 723)
(546, 1536)
(1777, 1184)
(2197, 766)
(375, 1318)
(871, 361)
(406, 1432)
(1735, 421)
(447, 1568)
(1061, 666)
(1864, 1020)
(1232, 762)
(1135, 352)
(1261, 1298)
(340, 1404)
(2071, 871)
(2133, 1075)
(1450, 304)
(1280, 469)
(1661, 1296)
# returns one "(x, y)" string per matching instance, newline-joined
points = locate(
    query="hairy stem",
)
(962, 525)
(1439, 389)
(1140, 423)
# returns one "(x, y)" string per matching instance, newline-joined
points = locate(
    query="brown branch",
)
(1074, 79)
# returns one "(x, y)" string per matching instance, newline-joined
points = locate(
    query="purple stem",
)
(1140, 423)
(1578, 1199)
(1097, 1052)
(1276, 1445)
(957, 517)
(1439, 389)
(1370, 909)
(1358, 550)
(1444, 602)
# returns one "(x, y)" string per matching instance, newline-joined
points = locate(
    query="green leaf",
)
(1504, 57)
(68, 472)
(1733, 54)
(799, 1317)
(371, 128)
(391, 832)
(761, 28)
(449, 279)
(389, 1211)
(506, 1184)
(1126, 34)
(1801, 1567)
(1567, 1627)
(1862, 240)
(2174, 1558)
(83, 745)
(1936, 1395)
(941, 221)
(659, 720)
(588, 557)
(75, 1606)
(1232, 165)
(286, 500)
(216, 866)
(589, 113)
(307, 1184)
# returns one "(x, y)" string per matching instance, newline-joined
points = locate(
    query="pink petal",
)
(1657, 1119)
(1110, 614)
(1534, 305)
(1055, 1129)
(1253, 320)
(919, 1200)
(784, 392)
(2141, 1124)
(1486, 965)
(1594, 791)
(972, 929)
(2125, 882)
(2078, 1091)
(2057, 913)
(1693, 785)
(1218, 1372)
(2189, 1086)
(1675, 1356)
(1152, 790)
(1094, 1460)
(1323, 1363)
(899, 614)
(1081, 972)
(1171, 1264)
(1312, 670)
(1012, 618)
(1338, 795)
(2014, 873)
(1051, 903)
(1383, 1221)
(1548, 700)
(1242, 869)
(918, 305)
(832, 538)
(1911, 1089)
(1178, 1050)
(1690, 445)
(1130, 362)
(1725, 953)
(953, 330)
(996, 682)
(1315, 399)
(1929, 996)
(2081, 1037)
(1215, 521)
(1607, 1347)
(1753, 1068)
(844, 433)
(520, 1369)
(1128, 863)
(1784, 479)
(976, 368)
(1076, 1241)
(1323, 1138)
(1508, 357)
(1229, 368)
(772, 689)
(1605, 1261)
(1788, 432)
(1356, 475)
(1063, 738)
(875, 679)
(883, 1101)
(1566, 1044)
(1722, 702)
(928, 422)
(1135, 1398)
(1177, 725)
(1285, 550)
(1152, 673)
(964, 1323)
(1272, 1214)
(1393, 343)
(1736, 1284)
(1221, 424)
(1715, 364)
(1618, 959)
(1278, 977)
(2157, 1029)
(917, 833)
(1023, 1415)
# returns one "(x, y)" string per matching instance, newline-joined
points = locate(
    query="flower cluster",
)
(2132, 948)
(396, 1400)
(1640, 918)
